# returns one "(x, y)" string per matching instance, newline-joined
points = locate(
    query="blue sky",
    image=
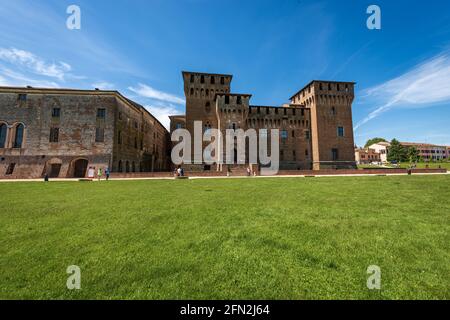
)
(273, 48)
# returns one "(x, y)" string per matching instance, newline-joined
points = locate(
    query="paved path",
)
(238, 177)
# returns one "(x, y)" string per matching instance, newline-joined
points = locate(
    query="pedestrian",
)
(249, 172)
(107, 173)
(99, 174)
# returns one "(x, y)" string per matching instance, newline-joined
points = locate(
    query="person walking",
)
(107, 173)
(99, 174)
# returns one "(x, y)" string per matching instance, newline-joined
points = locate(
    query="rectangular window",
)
(340, 131)
(54, 135)
(10, 169)
(227, 99)
(99, 135)
(303, 112)
(335, 154)
(101, 113)
(119, 137)
(56, 113)
(239, 100)
(284, 135)
(307, 135)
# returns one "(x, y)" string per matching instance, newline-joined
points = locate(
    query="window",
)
(54, 135)
(306, 152)
(56, 113)
(239, 100)
(222, 80)
(135, 143)
(22, 97)
(307, 135)
(227, 99)
(294, 155)
(192, 91)
(119, 137)
(333, 111)
(10, 169)
(340, 131)
(3, 130)
(293, 133)
(202, 79)
(284, 135)
(213, 80)
(179, 126)
(120, 167)
(99, 135)
(18, 139)
(192, 78)
(303, 112)
(101, 113)
(335, 154)
(208, 107)
(120, 115)
(321, 86)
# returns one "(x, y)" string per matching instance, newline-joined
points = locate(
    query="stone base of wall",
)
(280, 173)
(35, 167)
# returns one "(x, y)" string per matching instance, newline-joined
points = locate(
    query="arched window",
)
(18, 139)
(133, 166)
(3, 130)
(120, 167)
(127, 166)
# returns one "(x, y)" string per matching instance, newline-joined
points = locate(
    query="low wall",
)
(280, 173)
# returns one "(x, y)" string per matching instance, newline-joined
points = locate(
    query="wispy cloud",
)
(149, 92)
(13, 78)
(32, 63)
(425, 85)
(162, 113)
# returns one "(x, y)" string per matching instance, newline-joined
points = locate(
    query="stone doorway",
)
(80, 168)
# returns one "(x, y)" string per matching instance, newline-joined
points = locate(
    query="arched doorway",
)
(53, 168)
(79, 168)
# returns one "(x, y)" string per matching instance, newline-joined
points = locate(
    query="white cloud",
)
(13, 78)
(104, 85)
(35, 64)
(426, 84)
(162, 113)
(149, 92)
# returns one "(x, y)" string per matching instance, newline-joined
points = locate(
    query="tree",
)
(397, 152)
(413, 154)
(374, 141)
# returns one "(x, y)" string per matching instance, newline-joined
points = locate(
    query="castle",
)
(61, 132)
(316, 127)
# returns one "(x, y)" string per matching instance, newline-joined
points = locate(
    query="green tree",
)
(397, 152)
(413, 154)
(374, 141)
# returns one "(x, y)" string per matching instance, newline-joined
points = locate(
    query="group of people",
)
(100, 172)
(179, 172)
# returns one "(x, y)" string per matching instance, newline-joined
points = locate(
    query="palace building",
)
(63, 132)
(316, 127)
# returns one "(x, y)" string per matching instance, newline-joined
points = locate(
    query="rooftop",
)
(323, 81)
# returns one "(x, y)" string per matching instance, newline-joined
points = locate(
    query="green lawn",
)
(288, 238)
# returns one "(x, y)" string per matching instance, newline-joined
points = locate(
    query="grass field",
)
(288, 238)
(406, 165)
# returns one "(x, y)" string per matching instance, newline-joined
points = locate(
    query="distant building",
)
(428, 152)
(367, 156)
(383, 149)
